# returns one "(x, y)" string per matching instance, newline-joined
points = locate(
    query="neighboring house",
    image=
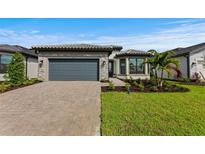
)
(31, 59)
(74, 61)
(192, 60)
(130, 64)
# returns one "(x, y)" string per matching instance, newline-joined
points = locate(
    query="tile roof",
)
(190, 49)
(88, 47)
(17, 48)
(132, 52)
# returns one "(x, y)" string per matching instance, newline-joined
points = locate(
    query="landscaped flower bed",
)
(6, 86)
(144, 86)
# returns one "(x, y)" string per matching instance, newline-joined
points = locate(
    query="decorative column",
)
(127, 66)
(146, 69)
(117, 67)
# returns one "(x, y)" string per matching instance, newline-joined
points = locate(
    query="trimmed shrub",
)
(141, 86)
(30, 82)
(127, 86)
(154, 88)
(4, 87)
(186, 79)
(16, 70)
(111, 85)
(135, 83)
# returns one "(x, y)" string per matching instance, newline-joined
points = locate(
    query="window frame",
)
(124, 73)
(3, 67)
(136, 66)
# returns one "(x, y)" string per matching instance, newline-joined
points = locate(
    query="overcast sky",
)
(142, 34)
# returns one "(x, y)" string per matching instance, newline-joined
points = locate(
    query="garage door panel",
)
(73, 69)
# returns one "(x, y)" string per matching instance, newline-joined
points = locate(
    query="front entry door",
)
(110, 68)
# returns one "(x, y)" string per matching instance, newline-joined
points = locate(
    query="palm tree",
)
(168, 64)
(153, 62)
(163, 62)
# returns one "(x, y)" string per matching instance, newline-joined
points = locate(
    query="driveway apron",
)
(51, 108)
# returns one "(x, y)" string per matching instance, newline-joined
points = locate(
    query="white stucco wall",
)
(32, 67)
(199, 60)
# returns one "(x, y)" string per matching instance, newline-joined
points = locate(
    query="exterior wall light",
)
(104, 62)
(40, 63)
(193, 64)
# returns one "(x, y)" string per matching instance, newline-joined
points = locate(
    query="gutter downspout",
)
(26, 67)
(188, 66)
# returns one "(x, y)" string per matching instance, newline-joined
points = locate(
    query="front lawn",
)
(180, 113)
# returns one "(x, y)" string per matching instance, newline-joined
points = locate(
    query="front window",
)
(122, 66)
(137, 65)
(4, 61)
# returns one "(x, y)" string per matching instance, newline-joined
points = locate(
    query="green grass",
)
(154, 113)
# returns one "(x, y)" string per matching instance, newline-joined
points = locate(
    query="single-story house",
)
(74, 61)
(31, 60)
(130, 64)
(192, 60)
(90, 62)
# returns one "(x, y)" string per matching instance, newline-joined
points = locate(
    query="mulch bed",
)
(173, 88)
(193, 83)
(147, 86)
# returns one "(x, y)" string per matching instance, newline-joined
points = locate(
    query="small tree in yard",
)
(163, 62)
(154, 62)
(167, 64)
(16, 70)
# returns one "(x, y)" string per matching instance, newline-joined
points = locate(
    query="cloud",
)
(163, 39)
(7, 33)
(35, 31)
(184, 21)
(86, 35)
(28, 38)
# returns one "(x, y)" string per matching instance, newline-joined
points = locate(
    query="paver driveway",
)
(51, 108)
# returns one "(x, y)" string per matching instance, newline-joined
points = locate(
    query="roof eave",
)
(180, 55)
(73, 49)
(130, 55)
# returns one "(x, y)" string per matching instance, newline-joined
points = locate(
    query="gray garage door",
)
(73, 69)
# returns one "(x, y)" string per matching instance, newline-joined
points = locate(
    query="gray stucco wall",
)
(182, 67)
(44, 56)
(199, 66)
(32, 67)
